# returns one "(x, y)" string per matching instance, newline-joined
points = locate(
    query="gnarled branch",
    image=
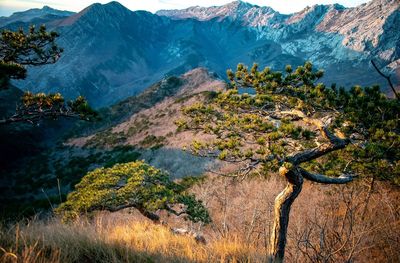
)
(174, 212)
(335, 143)
(323, 179)
(309, 155)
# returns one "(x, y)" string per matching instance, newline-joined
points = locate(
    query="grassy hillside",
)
(327, 225)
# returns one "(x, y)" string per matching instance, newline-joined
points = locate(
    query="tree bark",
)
(283, 203)
(323, 179)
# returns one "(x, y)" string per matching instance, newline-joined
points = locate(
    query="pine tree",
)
(299, 129)
(132, 185)
(19, 49)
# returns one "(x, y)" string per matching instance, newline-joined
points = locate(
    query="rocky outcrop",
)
(362, 27)
(367, 27)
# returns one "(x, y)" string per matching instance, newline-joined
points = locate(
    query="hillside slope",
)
(159, 120)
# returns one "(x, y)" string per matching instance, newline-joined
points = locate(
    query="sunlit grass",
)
(102, 241)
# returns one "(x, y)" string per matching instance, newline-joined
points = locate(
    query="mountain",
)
(368, 27)
(112, 53)
(34, 16)
(107, 59)
(247, 14)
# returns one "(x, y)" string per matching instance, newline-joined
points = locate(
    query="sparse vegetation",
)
(139, 126)
(152, 141)
(106, 138)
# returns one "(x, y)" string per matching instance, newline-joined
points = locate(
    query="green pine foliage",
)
(34, 48)
(264, 128)
(134, 184)
(18, 49)
(40, 105)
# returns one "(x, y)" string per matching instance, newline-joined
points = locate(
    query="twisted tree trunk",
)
(283, 203)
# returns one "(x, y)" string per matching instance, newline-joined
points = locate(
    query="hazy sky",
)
(7, 7)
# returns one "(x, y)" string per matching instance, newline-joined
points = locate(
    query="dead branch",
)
(387, 77)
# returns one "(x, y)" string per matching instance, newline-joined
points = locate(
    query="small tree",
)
(136, 185)
(34, 48)
(292, 125)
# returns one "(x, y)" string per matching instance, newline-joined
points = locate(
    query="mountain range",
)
(112, 53)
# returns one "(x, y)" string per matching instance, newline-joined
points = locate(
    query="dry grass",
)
(327, 224)
(344, 223)
(109, 239)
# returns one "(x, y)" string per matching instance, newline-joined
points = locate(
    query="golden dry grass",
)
(110, 241)
(327, 224)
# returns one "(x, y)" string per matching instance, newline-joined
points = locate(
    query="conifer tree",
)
(132, 185)
(19, 49)
(299, 129)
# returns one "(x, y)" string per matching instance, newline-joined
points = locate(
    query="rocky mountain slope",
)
(112, 53)
(364, 28)
(157, 121)
(245, 13)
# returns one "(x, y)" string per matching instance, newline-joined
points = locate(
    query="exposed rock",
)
(363, 27)
(182, 231)
(248, 14)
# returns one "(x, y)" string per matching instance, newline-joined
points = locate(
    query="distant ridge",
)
(34, 13)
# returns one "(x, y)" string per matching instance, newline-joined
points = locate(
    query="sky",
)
(7, 7)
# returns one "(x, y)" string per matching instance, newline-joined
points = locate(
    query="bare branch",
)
(32, 117)
(387, 77)
(323, 179)
(242, 171)
(233, 175)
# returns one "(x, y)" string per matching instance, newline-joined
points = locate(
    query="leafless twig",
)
(387, 77)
